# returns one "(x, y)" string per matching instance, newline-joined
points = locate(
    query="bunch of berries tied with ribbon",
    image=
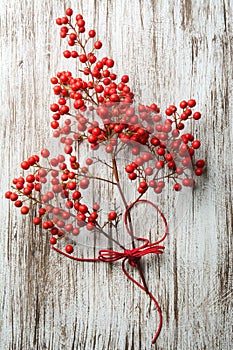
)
(96, 121)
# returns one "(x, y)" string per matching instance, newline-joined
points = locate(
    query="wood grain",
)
(171, 50)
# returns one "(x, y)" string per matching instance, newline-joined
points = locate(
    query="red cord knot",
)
(132, 258)
(132, 255)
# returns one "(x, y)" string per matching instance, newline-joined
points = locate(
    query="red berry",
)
(109, 63)
(54, 80)
(73, 36)
(76, 195)
(158, 190)
(112, 215)
(149, 171)
(92, 33)
(45, 153)
(83, 58)
(168, 111)
(25, 165)
(69, 12)
(160, 151)
(64, 20)
(98, 45)
(129, 168)
(30, 178)
(64, 109)
(93, 216)
(177, 187)
(96, 206)
(106, 81)
(89, 161)
(37, 220)
(58, 21)
(68, 227)
(24, 210)
(92, 59)
(200, 163)
(155, 141)
(180, 126)
(13, 197)
(132, 176)
(62, 34)
(173, 108)
(96, 131)
(69, 249)
(74, 54)
(54, 107)
(161, 184)
(71, 185)
(68, 149)
(198, 171)
(54, 124)
(83, 208)
(75, 231)
(186, 182)
(188, 112)
(38, 187)
(196, 144)
(53, 240)
(84, 183)
(67, 54)
(78, 103)
(183, 104)
(191, 103)
(125, 79)
(197, 115)
(18, 203)
(179, 170)
(143, 184)
(19, 185)
(175, 133)
(184, 116)
(169, 157)
(152, 183)
(90, 226)
(79, 16)
(92, 139)
(64, 28)
(171, 164)
(27, 191)
(81, 23)
(141, 190)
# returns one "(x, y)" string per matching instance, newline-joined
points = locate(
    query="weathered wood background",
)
(172, 50)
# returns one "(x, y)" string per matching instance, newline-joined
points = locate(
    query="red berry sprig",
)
(97, 111)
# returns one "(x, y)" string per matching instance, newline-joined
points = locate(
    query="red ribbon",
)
(131, 255)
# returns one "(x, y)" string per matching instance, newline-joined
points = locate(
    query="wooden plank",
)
(171, 50)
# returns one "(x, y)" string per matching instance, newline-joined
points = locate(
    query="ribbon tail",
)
(73, 257)
(151, 297)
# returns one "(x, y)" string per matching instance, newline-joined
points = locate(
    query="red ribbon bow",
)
(133, 255)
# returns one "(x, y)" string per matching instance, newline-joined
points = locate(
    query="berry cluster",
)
(101, 85)
(96, 111)
(64, 183)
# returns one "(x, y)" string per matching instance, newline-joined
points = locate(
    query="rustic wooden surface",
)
(171, 50)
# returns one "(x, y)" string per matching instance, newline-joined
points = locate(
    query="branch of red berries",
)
(97, 111)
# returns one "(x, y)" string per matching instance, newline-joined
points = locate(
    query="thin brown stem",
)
(139, 267)
(100, 178)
